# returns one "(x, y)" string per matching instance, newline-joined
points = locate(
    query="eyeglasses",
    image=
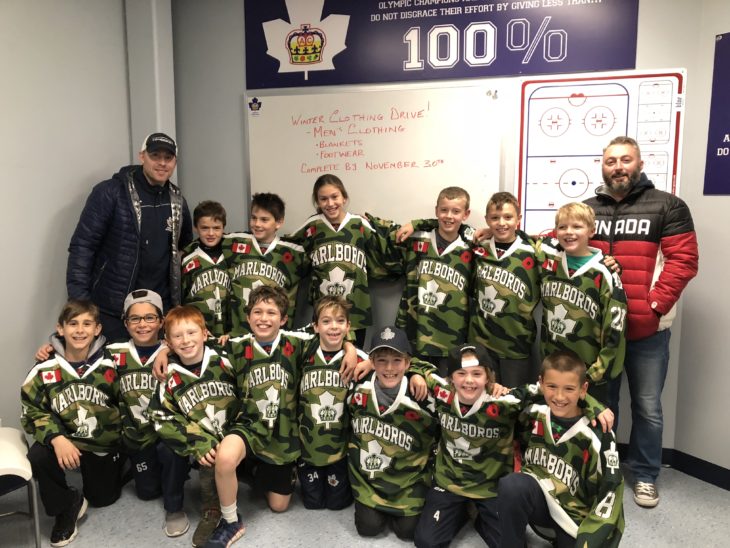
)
(148, 318)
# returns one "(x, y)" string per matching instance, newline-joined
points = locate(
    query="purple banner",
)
(329, 42)
(717, 167)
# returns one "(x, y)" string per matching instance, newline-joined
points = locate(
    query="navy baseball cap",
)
(390, 337)
(456, 360)
(155, 142)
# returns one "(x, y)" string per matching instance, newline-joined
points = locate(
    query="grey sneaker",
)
(176, 524)
(646, 494)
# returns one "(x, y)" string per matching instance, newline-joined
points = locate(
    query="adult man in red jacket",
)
(651, 234)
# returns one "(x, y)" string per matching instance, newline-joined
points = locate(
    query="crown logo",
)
(373, 462)
(305, 45)
(327, 414)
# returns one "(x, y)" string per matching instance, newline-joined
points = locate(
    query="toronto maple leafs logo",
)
(140, 411)
(269, 408)
(489, 304)
(85, 426)
(247, 291)
(430, 296)
(372, 459)
(214, 421)
(558, 324)
(306, 43)
(214, 304)
(336, 285)
(460, 449)
(327, 411)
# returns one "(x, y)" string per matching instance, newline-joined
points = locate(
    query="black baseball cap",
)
(390, 337)
(455, 360)
(155, 142)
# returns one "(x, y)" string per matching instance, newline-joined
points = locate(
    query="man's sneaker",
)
(176, 524)
(646, 494)
(205, 528)
(64, 530)
(226, 533)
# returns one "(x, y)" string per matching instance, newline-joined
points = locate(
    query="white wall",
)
(65, 126)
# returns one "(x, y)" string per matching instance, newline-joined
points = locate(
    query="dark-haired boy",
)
(68, 406)
(205, 281)
(260, 257)
(570, 480)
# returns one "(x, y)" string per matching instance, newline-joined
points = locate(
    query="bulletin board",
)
(394, 149)
(567, 122)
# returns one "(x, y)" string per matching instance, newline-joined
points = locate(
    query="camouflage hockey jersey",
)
(268, 383)
(323, 417)
(476, 445)
(342, 261)
(505, 291)
(136, 386)
(206, 285)
(57, 401)
(584, 312)
(434, 308)
(580, 476)
(283, 264)
(389, 449)
(190, 412)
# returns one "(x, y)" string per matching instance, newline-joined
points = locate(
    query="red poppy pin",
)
(248, 352)
(110, 375)
(412, 415)
(287, 257)
(288, 349)
(493, 410)
(466, 256)
(528, 263)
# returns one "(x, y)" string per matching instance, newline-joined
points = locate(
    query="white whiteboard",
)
(393, 149)
(568, 121)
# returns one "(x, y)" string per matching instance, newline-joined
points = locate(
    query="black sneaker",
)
(64, 530)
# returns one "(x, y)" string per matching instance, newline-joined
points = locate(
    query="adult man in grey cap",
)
(129, 236)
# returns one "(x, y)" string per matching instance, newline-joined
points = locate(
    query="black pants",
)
(445, 513)
(370, 522)
(159, 471)
(325, 486)
(521, 501)
(102, 478)
(113, 328)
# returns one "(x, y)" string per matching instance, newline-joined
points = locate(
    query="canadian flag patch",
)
(173, 381)
(311, 231)
(191, 265)
(538, 428)
(360, 399)
(420, 247)
(240, 247)
(550, 264)
(443, 394)
(49, 377)
(120, 360)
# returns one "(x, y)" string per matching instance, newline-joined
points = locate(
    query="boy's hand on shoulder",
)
(404, 232)
(67, 454)
(223, 339)
(363, 368)
(498, 390)
(612, 264)
(208, 459)
(482, 234)
(44, 352)
(606, 419)
(349, 362)
(418, 387)
(159, 367)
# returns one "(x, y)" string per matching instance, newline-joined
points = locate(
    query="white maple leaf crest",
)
(327, 411)
(85, 426)
(140, 411)
(373, 460)
(214, 303)
(269, 408)
(558, 324)
(214, 421)
(460, 449)
(247, 291)
(336, 285)
(430, 296)
(307, 43)
(488, 303)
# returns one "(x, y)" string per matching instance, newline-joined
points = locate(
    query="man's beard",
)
(622, 187)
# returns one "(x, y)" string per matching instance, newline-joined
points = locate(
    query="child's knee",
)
(278, 503)
(229, 455)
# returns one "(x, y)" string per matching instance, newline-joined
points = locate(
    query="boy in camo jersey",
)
(261, 257)
(323, 418)
(391, 440)
(205, 281)
(437, 264)
(192, 409)
(570, 480)
(69, 407)
(584, 304)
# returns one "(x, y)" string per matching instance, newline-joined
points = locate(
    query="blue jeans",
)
(646, 365)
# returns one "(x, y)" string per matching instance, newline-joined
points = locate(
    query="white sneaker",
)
(646, 494)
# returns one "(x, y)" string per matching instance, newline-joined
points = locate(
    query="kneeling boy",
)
(570, 479)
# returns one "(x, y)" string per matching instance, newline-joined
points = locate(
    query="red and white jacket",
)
(652, 236)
